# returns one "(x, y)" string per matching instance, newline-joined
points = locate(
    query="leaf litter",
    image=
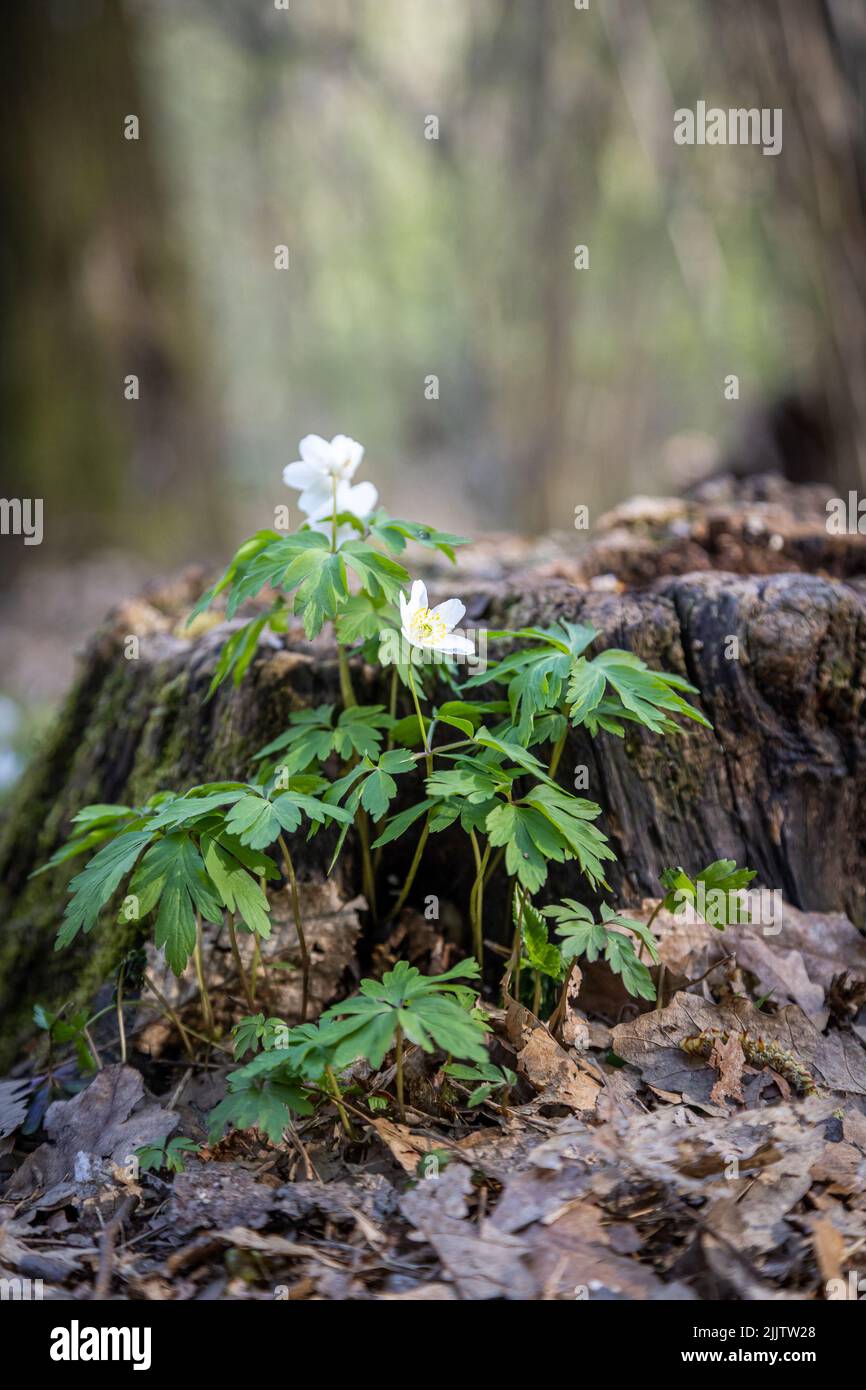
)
(675, 1152)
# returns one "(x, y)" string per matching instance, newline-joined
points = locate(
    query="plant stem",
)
(413, 869)
(653, 915)
(172, 1015)
(296, 912)
(557, 1018)
(239, 965)
(518, 941)
(121, 1027)
(338, 1101)
(557, 752)
(399, 1050)
(389, 744)
(476, 899)
(443, 748)
(92, 1045)
(421, 723)
(368, 875)
(536, 992)
(347, 691)
(494, 864)
(198, 958)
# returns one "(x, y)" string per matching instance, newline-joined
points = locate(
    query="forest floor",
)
(622, 1164)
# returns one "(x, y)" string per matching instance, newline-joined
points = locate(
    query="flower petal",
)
(454, 643)
(316, 451)
(347, 452)
(418, 596)
(318, 500)
(451, 611)
(360, 499)
(301, 474)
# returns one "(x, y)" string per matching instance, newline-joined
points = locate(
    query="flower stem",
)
(289, 869)
(347, 692)
(557, 753)
(198, 959)
(413, 869)
(338, 1101)
(399, 1058)
(421, 723)
(476, 898)
(239, 965)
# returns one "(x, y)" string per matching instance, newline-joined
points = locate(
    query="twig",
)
(106, 1247)
(173, 1016)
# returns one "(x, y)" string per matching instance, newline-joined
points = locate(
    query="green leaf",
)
(572, 816)
(361, 618)
(321, 593)
(713, 894)
(507, 825)
(394, 535)
(176, 862)
(243, 556)
(429, 1010)
(540, 952)
(282, 564)
(514, 752)
(360, 730)
(650, 696)
(238, 891)
(92, 888)
(586, 686)
(621, 957)
(255, 1104)
(380, 575)
(398, 824)
(239, 649)
(256, 823)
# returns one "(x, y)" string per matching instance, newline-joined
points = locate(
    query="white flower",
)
(431, 628)
(360, 500)
(320, 466)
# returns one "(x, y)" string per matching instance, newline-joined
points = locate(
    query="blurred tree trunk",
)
(810, 60)
(92, 291)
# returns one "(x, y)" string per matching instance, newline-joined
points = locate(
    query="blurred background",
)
(308, 124)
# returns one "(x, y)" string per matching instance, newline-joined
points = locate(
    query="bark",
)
(93, 289)
(779, 784)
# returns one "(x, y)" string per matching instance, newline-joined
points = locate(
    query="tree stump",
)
(741, 589)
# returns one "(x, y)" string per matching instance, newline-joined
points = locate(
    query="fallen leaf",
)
(406, 1147)
(483, 1262)
(728, 1060)
(547, 1066)
(652, 1042)
(829, 1247)
(100, 1127)
(13, 1105)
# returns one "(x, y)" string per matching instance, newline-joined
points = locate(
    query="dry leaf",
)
(103, 1122)
(829, 1247)
(547, 1066)
(727, 1058)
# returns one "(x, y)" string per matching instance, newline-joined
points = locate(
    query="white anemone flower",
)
(320, 467)
(432, 628)
(360, 500)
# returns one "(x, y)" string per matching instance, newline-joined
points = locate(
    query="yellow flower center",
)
(427, 626)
